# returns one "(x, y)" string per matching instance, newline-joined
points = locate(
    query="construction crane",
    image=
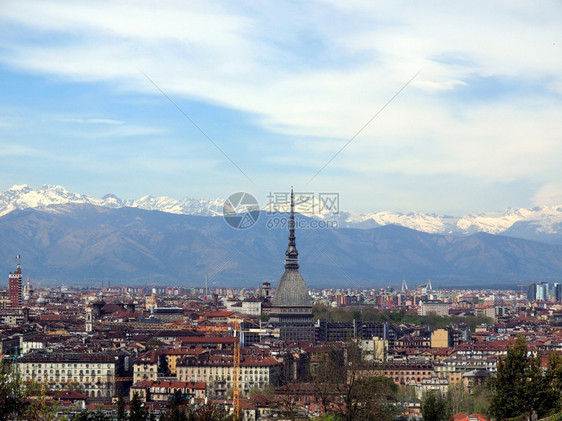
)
(236, 384)
(236, 363)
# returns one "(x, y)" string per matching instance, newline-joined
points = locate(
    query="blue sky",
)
(280, 87)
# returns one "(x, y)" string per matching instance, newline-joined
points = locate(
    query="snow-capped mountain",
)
(518, 222)
(24, 196)
(542, 223)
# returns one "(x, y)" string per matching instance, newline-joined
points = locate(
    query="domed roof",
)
(292, 291)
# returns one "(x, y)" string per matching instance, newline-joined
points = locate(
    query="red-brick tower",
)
(14, 287)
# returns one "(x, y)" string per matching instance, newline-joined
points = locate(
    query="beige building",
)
(437, 384)
(145, 367)
(4, 300)
(375, 349)
(455, 369)
(441, 338)
(151, 302)
(216, 371)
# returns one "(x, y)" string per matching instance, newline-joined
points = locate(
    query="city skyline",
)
(89, 96)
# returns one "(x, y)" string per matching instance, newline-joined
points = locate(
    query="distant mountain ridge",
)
(24, 197)
(81, 243)
(540, 224)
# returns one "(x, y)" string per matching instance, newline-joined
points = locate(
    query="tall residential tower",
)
(14, 287)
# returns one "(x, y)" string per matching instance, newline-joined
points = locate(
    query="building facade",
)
(95, 375)
(217, 372)
(433, 306)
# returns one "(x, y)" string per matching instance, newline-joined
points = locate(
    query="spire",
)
(292, 255)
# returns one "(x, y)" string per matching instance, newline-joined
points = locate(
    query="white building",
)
(94, 374)
(433, 306)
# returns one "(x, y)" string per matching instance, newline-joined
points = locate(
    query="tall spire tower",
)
(292, 254)
(292, 306)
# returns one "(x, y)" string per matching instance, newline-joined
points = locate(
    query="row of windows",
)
(85, 382)
(70, 365)
(244, 378)
(247, 371)
(407, 373)
(69, 372)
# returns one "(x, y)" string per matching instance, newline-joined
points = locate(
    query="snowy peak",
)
(543, 220)
(202, 207)
(537, 223)
(24, 196)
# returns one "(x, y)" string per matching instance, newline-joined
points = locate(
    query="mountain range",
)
(66, 237)
(540, 223)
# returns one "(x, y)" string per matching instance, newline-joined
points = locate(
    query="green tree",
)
(177, 410)
(22, 401)
(460, 400)
(554, 377)
(10, 391)
(268, 391)
(522, 388)
(121, 415)
(511, 384)
(137, 410)
(434, 406)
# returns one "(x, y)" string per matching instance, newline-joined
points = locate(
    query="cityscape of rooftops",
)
(332, 211)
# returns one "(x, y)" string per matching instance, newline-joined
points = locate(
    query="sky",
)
(438, 107)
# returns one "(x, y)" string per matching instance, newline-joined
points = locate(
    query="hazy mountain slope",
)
(82, 243)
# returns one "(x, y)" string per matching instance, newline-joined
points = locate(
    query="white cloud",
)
(16, 149)
(549, 195)
(91, 121)
(319, 71)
